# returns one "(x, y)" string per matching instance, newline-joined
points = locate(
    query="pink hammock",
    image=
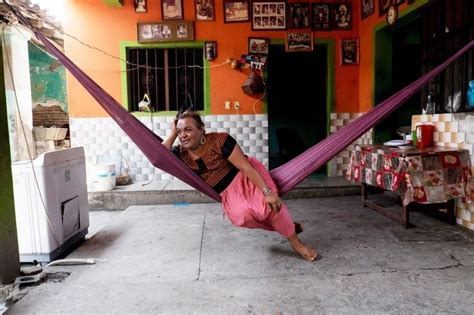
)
(285, 176)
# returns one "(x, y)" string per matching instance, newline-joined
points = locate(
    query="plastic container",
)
(105, 176)
(470, 94)
(413, 137)
(424, 136)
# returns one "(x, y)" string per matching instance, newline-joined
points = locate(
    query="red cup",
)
(424, 136)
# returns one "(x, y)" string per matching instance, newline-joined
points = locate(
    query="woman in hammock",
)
(249, 195)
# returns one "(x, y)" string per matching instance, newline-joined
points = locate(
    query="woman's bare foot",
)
(305, 251)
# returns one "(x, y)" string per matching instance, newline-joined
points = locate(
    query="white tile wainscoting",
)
(455, 131)
(102, 138)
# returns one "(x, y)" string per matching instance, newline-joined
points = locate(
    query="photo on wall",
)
(258, 46)
(172, 10)
(350, 51)
(342, 16)
(165, 31)
(366, 8)
(268, 15)
(140, 6)
(321, 16)
(299, 41)
(205, 10)
(299, 15)
(236, 11)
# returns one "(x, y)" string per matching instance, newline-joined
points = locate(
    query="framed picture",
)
(205, 10)
(165, 31)
(210, 50)
(299, 15)
(321, 16)
(350, 51)
(366, 8)
(258, 46)
(236, 11)
(342, 16)
(383, 6)
(299, 41)
(268, 15)
(172, 10)
(140, 6)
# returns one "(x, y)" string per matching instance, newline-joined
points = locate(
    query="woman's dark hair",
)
(192, 114)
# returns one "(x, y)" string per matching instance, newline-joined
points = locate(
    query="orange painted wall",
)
(104, 27)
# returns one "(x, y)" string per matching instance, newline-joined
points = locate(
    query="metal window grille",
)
(173, 78)
(446, 27)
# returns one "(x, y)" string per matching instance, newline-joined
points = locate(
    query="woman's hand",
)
(173, 127)
(168, 142)
(273, 201)
(239, 160)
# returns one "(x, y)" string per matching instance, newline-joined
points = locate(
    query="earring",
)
(203, 139)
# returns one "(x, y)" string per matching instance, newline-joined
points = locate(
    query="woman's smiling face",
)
(189, 134)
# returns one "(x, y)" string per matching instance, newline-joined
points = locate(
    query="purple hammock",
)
(285, 176)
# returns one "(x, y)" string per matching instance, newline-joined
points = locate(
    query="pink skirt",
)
(244, 204)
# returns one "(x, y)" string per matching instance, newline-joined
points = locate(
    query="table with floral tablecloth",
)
(429, 175)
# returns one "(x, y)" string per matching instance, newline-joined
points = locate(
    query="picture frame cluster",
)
(173, 10)
(165, 31)
(319, 16)
(271, 14)
(300, 19)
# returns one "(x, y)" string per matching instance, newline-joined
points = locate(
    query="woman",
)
(249, 195)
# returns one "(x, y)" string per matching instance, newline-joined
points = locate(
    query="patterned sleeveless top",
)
(213, 166)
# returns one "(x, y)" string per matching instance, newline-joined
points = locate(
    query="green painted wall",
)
(9, 257)
(48, 78)
(114, 3)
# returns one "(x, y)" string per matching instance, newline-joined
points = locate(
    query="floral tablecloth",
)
(422, 176)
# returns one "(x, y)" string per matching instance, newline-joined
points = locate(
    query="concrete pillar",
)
(9, 256)
(18, 92)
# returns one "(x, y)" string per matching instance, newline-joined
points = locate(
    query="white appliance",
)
(52, 212)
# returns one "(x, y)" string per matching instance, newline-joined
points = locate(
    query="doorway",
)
(397, 64)
(297, 107)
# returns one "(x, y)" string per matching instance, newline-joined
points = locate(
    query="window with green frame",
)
(173, 78)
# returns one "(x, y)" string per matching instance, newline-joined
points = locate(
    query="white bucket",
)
(104, 177)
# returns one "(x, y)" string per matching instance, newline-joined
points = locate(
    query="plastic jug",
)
(424, 136)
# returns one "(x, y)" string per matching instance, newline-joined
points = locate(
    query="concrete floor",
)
(187, 258)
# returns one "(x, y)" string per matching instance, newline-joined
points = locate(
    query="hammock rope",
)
(286, 176)
(291, 173)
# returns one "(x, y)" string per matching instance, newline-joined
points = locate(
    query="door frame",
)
(330, 68)
(382, 52)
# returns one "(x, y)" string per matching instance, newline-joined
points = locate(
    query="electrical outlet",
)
(227, 105)
(236, 104)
